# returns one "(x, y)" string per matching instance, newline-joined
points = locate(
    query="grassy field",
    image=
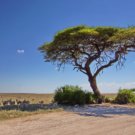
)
(110, 95)
(5, 115)
(33, 98)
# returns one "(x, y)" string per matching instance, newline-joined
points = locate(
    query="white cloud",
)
(110, 87)
(56, 68)
(114, 86)
(20, 51)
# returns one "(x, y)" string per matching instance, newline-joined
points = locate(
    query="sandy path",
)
(69, 123)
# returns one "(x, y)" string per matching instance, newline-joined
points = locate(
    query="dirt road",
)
(69, 123)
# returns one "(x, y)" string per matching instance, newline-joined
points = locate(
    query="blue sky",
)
(27, 24)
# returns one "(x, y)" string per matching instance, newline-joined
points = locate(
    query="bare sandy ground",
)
(87, 122)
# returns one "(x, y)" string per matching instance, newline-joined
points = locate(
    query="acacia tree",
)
(90, 47)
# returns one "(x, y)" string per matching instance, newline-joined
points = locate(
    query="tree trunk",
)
(93, 84)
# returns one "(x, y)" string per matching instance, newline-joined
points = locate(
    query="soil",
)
(90, 120)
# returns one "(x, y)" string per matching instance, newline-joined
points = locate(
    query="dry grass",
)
(5, 115)
(36, 98)
(110, 95)
(33, 98)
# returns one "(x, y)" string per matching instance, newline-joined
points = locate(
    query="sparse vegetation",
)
(19, 105)
(110, 95)
(4, 115)
(67, 95)
(20, 97)
(108, 100)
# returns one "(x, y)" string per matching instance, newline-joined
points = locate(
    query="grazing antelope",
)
(8, 102)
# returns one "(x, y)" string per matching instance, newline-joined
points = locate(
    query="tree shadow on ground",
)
(101, 111)
(28, 107)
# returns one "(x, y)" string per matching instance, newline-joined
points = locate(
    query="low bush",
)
(108, 100)
(78, 97)
(125, 96)
(90, 98)
(133, 89)
(72, 95)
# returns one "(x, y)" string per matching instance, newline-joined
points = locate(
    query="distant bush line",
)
(72, 95)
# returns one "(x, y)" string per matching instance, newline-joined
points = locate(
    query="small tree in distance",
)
(85, 47)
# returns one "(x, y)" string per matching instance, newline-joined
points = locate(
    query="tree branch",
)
(78, 66)
(108, 64)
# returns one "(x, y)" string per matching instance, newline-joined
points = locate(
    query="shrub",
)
(89, 98)
(125, 96)
(108, 100)
(73, 95)
(133, 89)
(78, 97)
(65, 94)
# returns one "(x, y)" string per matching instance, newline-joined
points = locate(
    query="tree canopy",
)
(82, 45)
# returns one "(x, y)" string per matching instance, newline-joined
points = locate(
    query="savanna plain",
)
(104, 119)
